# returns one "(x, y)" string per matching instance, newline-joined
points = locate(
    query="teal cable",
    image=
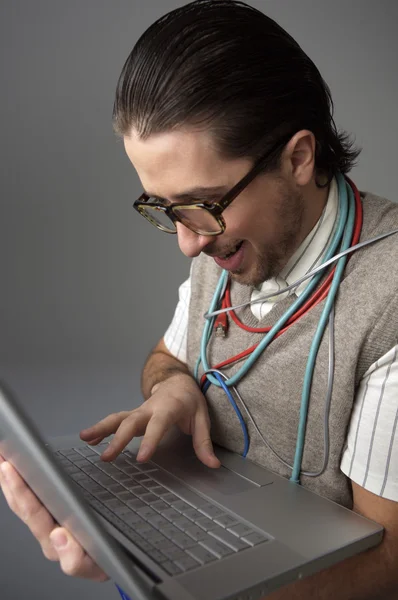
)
(207, 333)
(278, 326)
(346, 242)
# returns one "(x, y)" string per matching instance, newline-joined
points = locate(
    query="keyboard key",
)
(192, 513)
(229, 538)
(143, 544)
(88, 469)
(171, 568)
(240, 529)
(113, 504)
(159, 490)
(182, 523)
(160, 506)
(94, 459)
(142, 527)
(102, 479)
(216, 547)
(158, 521)
(170, 531)
(211, 511)
(151, 484)
(255, 538)
(174, 552)
(85, 451)
(70, 453)
(201, 554)
(125, 495)
(153, 536)
(195, 532)
(183, 541)
(79, 476)
(157, 556)
(170, 513)
(122, 478)
(91, 486)
(148, 498)
(135, 503)
(140, 492)
(131, 519)
(141, 477)
(187, 563)
(146, 467)
(116, 488)
(100, 448)
(120, 461)
(145, 512)
(226, 521)
(104, 495)
(206, 523)
(180, 505)
(169, 497)
(163, 545)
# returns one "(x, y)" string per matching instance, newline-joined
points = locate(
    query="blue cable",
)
(305, 397)
(280, 323)
(236, 409)
(122, 594)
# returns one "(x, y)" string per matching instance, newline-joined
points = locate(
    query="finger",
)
(155, 430)
(95, 441)
(202, 442)
(73, 559)
(104, 427)
(134, 425)
(23, 502)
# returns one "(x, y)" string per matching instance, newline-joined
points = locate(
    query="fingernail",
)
(59, 540)
(143, 453)
(5, 472)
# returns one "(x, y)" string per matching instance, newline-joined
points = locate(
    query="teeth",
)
(231, 253)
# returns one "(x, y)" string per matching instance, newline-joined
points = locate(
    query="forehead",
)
(172, 162)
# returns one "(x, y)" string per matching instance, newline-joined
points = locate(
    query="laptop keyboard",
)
(178, 535)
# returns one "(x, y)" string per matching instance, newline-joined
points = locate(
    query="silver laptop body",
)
(173, 528)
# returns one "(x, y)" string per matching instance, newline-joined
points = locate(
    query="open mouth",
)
(234, 251)
(232, 261)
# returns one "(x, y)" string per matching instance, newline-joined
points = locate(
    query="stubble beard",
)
(270, 261)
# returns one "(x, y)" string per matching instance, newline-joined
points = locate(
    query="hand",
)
(175, 401)
(23, 502)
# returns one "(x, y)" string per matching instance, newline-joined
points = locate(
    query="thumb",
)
(202, 442)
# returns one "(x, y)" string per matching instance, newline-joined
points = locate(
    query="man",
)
(217, 97)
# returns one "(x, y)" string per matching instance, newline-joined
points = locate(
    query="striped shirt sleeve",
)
(371, 455)
(175, 337)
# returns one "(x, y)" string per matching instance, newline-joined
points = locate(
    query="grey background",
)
(87, 288)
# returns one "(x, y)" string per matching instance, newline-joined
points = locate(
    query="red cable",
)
(318, 296)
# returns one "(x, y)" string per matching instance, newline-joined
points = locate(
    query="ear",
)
(299, 157)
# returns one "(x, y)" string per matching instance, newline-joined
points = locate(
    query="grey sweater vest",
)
(366, 327)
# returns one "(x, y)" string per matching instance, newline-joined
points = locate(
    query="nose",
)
(191, 244)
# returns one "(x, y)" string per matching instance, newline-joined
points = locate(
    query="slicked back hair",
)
(224, 66)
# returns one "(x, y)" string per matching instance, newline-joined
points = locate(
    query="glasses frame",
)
(214, 208)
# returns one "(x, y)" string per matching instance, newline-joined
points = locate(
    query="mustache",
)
(212, 250)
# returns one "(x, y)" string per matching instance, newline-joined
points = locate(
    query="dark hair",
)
(225, 66)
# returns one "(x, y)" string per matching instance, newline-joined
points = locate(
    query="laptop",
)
(175, 529)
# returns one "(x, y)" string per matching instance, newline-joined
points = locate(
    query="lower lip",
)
(234, 262)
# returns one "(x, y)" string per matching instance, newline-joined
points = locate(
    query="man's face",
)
(263, 224)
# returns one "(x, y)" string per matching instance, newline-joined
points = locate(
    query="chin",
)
(246, 278)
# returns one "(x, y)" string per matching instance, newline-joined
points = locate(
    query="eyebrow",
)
(198, 193)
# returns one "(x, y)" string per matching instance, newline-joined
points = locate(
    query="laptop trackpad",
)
(192, 472)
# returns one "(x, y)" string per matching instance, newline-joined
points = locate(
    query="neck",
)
(315, 199)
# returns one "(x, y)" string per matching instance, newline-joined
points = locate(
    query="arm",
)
(370, 575)
(160, 365)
